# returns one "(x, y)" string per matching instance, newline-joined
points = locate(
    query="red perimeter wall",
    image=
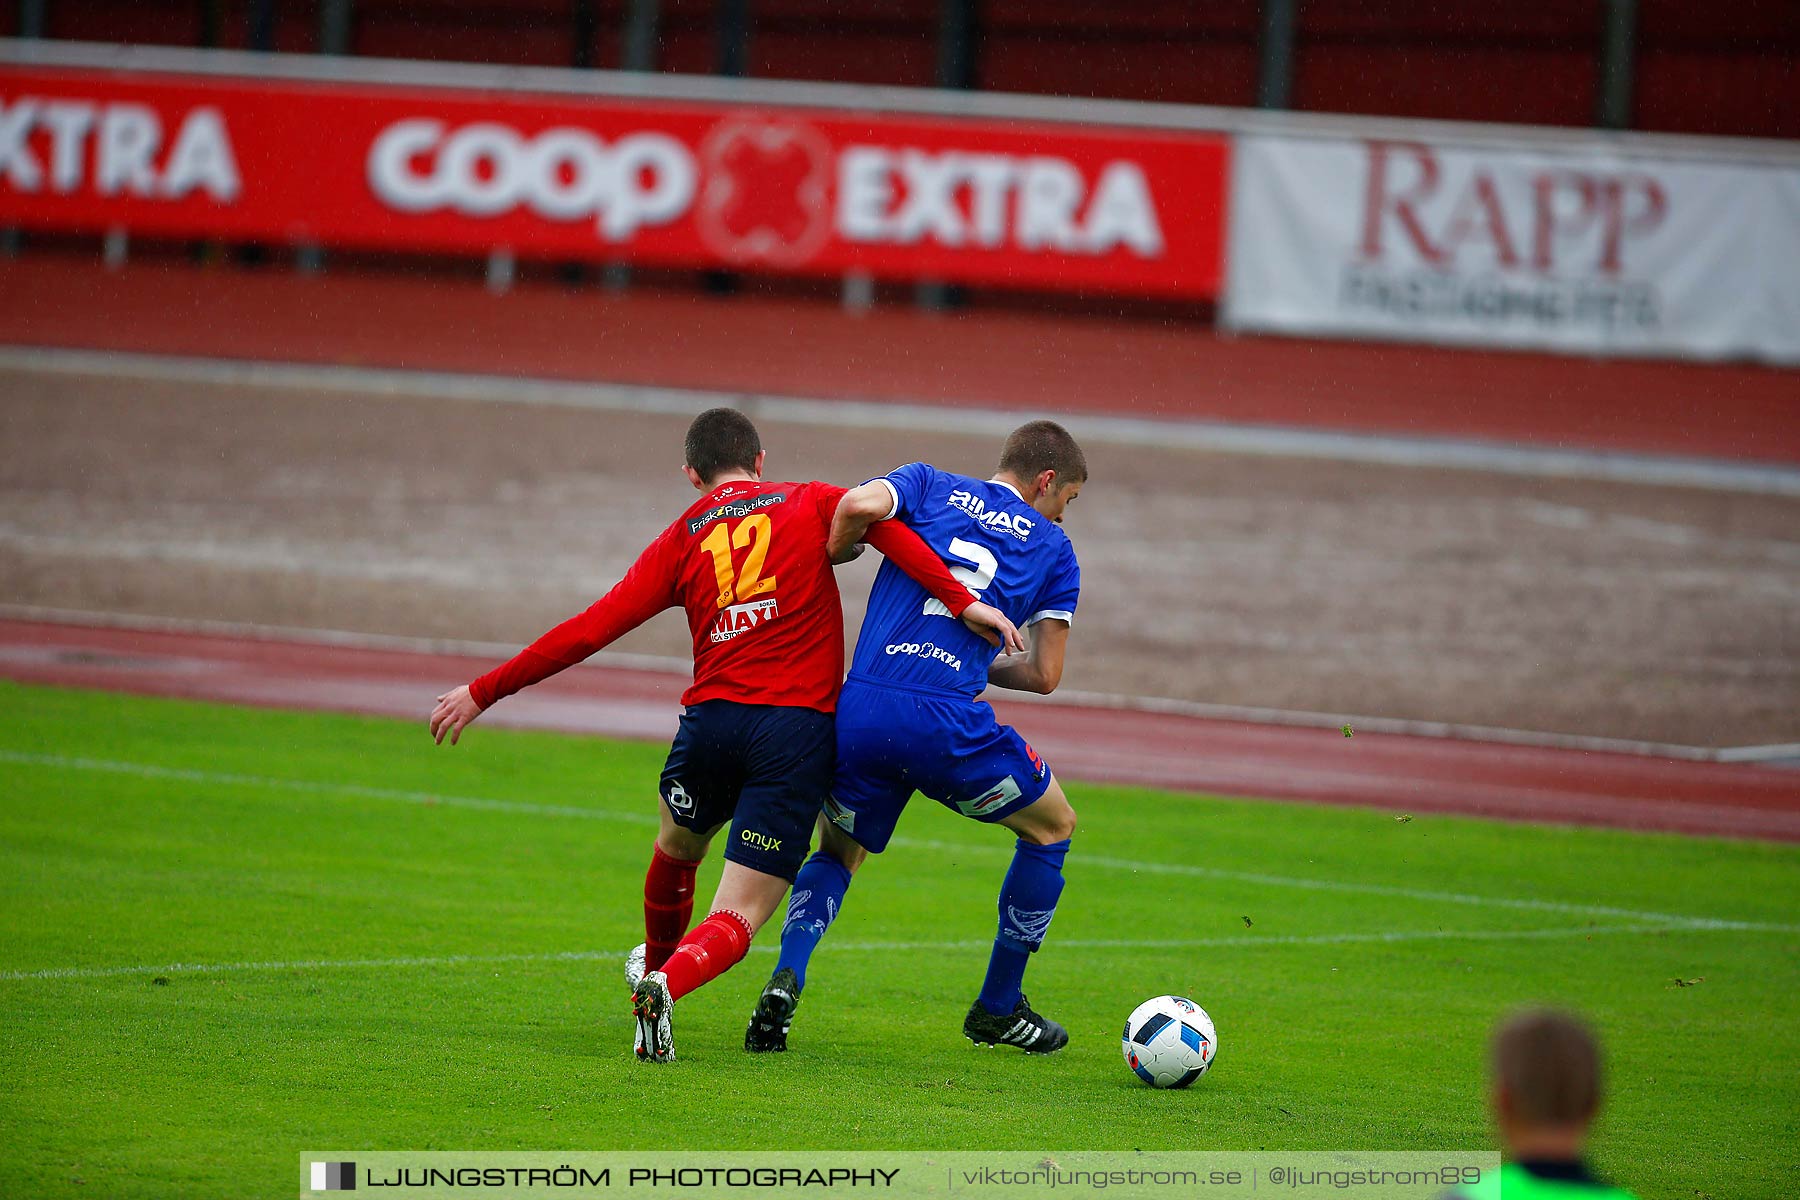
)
(1719, 68)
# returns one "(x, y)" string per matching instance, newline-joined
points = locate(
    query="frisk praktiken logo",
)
(738, 508)
(334, 1177)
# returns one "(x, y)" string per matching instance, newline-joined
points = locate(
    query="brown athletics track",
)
(156, 524)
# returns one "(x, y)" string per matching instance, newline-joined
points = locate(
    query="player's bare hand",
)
(455, 709)
(993, 627)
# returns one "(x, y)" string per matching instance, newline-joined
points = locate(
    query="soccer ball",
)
(1169, 1042)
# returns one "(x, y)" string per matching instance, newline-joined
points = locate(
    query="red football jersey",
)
(748, 564)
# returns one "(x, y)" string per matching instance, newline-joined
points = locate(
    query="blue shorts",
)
(893, 740)
(764, 767)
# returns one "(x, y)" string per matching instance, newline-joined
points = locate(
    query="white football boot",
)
(650, 1004)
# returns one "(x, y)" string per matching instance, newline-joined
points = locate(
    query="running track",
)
(1391, 771)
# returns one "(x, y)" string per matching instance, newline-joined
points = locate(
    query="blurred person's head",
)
(722, 443)
(1043, 461)
(1546, 1084)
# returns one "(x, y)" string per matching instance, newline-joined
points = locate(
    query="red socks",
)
(715, 946)
(668, 905)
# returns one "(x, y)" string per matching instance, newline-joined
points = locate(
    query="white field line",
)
(1388, 937)
(684, 667)
(1208, 436)
(647, 818)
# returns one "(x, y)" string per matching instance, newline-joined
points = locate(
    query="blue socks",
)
(1027, 902)
(812, 906)
(1028, 898)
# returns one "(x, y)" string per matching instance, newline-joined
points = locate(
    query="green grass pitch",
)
(434, 938)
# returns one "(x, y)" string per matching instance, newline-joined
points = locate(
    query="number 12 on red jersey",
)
(754, 533)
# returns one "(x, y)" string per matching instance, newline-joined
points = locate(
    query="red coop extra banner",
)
(1043, 206)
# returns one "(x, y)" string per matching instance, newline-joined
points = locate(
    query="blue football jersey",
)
(1003, 550)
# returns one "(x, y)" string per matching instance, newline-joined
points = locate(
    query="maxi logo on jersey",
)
(740, 618)
(972, 506)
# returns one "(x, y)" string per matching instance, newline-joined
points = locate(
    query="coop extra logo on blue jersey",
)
(976, 509)
(926, 650)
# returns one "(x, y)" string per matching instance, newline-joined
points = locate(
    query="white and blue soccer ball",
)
(1169, 1042)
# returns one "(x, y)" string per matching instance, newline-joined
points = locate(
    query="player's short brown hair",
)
(1548, 1064)
(719, 440)
(1039, 446)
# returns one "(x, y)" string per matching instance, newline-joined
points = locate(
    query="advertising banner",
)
(1577, 250)
(673, 183)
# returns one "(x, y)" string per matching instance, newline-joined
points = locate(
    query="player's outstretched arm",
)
(646, 590)
(1040, 670)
